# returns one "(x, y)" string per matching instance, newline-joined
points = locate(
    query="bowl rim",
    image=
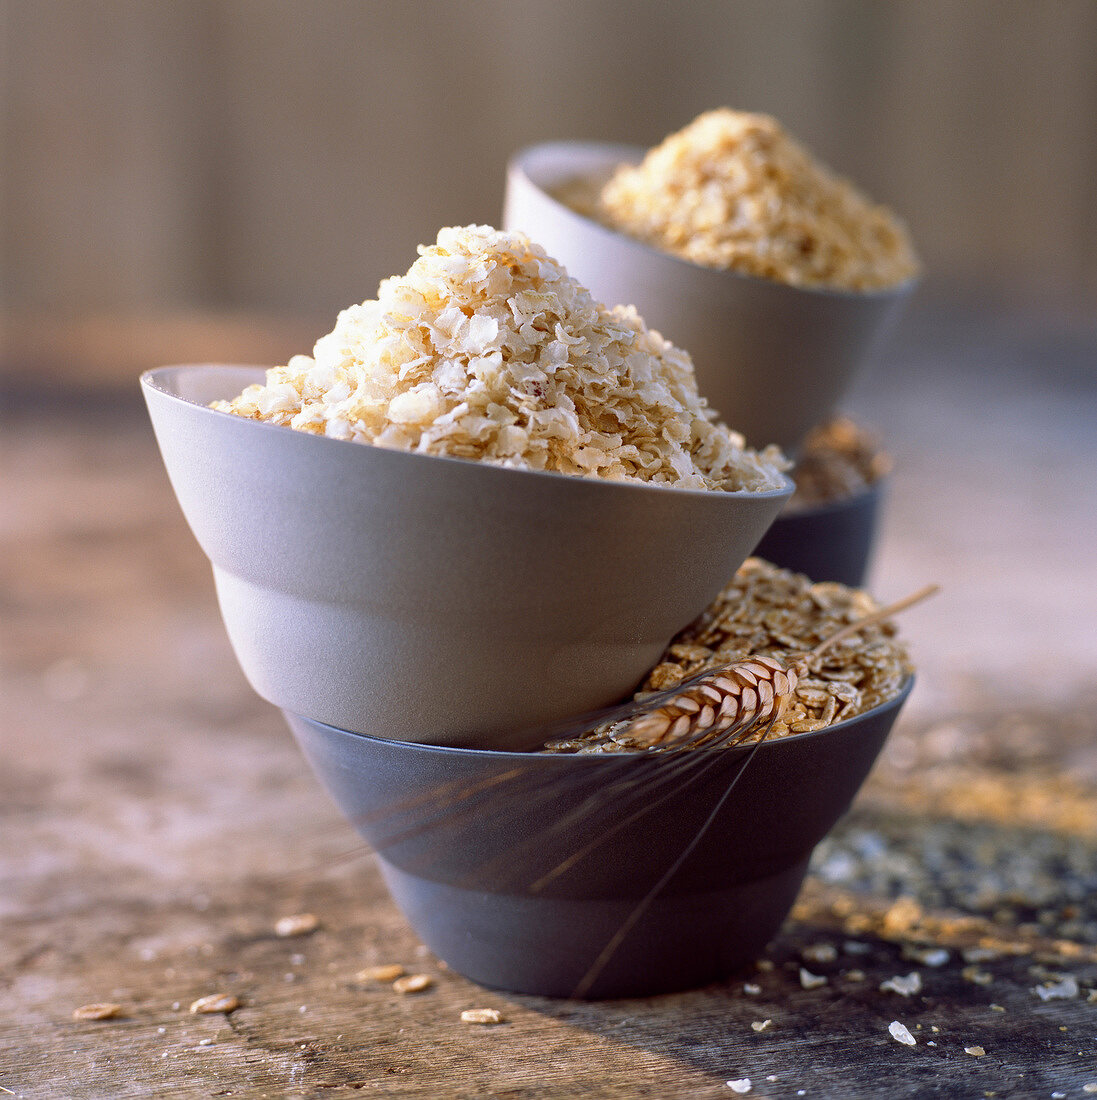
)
(600, 759)
(151, 380)
(633, 154)
(850, 500)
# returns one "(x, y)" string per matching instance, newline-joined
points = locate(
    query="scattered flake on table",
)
(413, 983)
(820, 953)
(900, 1034)
(927, 956)
(485, 1016)
(1063, 990)
(216, 1002)
(386, 973)
(299, 924)
(811, 981)
(905, 986)
(99, 1010)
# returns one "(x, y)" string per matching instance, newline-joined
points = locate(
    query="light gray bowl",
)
(773, 359)
(432, 599)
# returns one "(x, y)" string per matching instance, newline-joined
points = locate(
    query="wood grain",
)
(156, 822)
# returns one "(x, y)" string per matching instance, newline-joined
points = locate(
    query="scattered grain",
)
(906, 986)
(413, 983)
(387, 973)
(811, 981)
(900, 1034)
(300, 924)
(1064, 990)
(216, 1002)
(975, 1052)
(819, 953)
(98, 1010)
(485, 1016)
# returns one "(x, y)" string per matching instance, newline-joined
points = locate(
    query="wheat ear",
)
(744, 694)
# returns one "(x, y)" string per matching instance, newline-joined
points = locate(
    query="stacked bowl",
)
(427, 623)
(775, 359)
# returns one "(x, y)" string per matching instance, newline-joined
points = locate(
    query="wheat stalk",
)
(730, 700)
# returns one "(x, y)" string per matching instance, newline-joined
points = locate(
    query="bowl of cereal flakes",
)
(828, 529)
(482, 504)
(597, 867)
(733, 241)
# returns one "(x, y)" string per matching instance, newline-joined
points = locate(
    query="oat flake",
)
(216, 1002)
(99, 1010)
(386, 973)
(900, 1034)
(811, 981)
(486, 1016)
(300, 924)
(904, 986)
(734, 190)
(413, 983)
(488, 350)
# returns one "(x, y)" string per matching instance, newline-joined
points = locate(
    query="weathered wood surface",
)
(156, 819)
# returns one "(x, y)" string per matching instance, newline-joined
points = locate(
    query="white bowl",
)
(433, 599)
(773, 359)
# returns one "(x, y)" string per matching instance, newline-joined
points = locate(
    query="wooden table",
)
(156, 820)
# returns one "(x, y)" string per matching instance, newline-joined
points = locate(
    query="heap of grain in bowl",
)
(770, 612)
(734, 190)
(839, 459)
(488, 350)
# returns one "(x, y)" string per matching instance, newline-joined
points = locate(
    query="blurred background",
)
(213, 180)
(266, 162)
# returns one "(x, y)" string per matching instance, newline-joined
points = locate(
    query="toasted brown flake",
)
(98, 1010)
(975, 1052)
(413, 983)
(216, 1002)
(386, 973)
(300, 924)
(485, 1016)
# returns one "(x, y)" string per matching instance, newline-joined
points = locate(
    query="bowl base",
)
(561, 947)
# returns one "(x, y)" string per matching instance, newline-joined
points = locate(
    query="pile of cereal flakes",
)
(772, 612)
(487, 349)
(734, 190)
(838, 459)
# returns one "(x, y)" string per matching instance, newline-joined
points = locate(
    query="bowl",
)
(772, 358)
(596, 876)
(828, 542)
(449, 600)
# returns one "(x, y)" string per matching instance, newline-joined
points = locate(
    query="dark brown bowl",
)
(598, 875)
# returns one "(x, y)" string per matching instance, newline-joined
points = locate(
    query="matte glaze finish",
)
(832, 542)
(520, 869)
(774, 360)
(453, 601)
